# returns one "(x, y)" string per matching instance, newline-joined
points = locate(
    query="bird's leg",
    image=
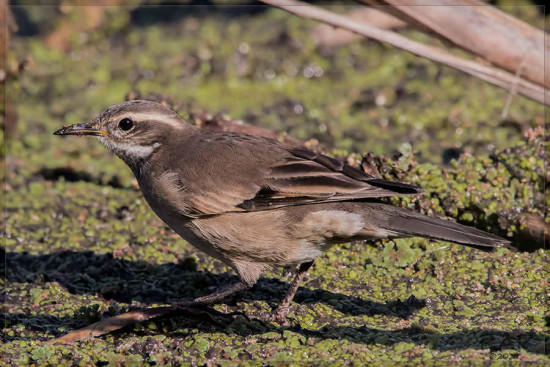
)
(216, 296)
(280, 313)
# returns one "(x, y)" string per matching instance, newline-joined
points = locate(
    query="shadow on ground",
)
(125, 281)
(494, 340)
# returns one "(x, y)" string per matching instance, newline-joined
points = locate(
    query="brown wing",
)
(306, 177)
(247, 173)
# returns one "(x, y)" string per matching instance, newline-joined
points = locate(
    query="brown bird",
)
(255, 203)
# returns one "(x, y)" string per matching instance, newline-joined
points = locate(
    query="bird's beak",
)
(80, 129)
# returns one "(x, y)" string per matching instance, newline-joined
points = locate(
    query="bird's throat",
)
(134, 155)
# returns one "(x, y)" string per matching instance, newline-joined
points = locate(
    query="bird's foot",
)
(280, 316)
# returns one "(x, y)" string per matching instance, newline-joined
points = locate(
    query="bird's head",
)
(133, 130)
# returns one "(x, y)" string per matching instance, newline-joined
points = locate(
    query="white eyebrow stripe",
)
(174, 120)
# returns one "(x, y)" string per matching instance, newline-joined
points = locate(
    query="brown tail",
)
(407, 223)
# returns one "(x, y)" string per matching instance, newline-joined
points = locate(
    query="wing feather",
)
(262, 174)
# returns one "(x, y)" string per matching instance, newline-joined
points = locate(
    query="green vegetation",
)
(81, 243)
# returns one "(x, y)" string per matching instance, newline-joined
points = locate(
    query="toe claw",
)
(279, 316)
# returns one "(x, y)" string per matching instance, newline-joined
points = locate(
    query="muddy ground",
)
(81, 244)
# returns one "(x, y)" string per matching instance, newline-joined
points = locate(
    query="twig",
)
(126, 319)
(513, 89)
(111, 324)
(479, 28)
(489, 74)
(326, 35)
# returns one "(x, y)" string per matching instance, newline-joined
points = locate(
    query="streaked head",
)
(133, 130)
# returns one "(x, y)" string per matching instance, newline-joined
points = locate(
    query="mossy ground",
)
(81, 243)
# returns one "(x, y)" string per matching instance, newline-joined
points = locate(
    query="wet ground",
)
(81, 243)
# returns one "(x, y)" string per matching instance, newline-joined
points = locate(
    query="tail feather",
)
(406, 223)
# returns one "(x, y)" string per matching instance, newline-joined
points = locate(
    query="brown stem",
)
(489, 74)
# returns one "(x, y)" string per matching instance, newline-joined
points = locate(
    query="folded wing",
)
(264, 174)
(308, 177)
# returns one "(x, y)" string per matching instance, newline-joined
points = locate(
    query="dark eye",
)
(126, 124)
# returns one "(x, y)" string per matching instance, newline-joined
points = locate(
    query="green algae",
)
(81, 244)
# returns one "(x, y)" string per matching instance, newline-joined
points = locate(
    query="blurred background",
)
(255, 63)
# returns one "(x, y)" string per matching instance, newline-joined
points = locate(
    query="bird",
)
(256, 203)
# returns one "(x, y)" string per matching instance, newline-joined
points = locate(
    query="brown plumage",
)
(254, 202)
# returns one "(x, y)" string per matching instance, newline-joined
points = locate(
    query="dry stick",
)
(489, 74)
(114, 323)
(133, 317)
(513, 90)
(463, 21)
(111, 324)
(326, 35)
